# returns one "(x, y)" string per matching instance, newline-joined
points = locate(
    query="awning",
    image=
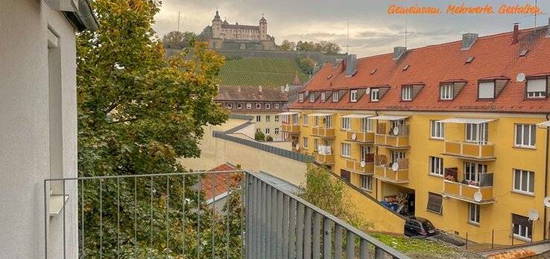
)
(466, 120)
(389, 118)
(319, 114)
(545, 124)
(287, 113)
(358, 116)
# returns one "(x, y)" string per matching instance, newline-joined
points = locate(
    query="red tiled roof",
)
(216, 184)
(494, 57)
(250, 93)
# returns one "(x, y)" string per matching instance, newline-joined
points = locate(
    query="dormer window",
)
(239, 106)
(374, 94)
(373, 71)
(406, 93)
(301, 97)
(277, 105)
(248, 106)
(335, 97)
(486, 90)
(312, 97)
(353, 95)
(446, 92)
(258, 106)
(229, 106)
(268, 106)
(323, 96)
(537, 88)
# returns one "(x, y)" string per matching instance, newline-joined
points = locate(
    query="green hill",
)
(260, 71)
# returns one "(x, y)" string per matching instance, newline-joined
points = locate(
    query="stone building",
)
(223, 35)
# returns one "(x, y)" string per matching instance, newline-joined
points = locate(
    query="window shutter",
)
(486, 90)
(521, 220)
(536, 85)
(435, 202)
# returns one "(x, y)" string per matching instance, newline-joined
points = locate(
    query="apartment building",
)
(262, 103)
(455, 132)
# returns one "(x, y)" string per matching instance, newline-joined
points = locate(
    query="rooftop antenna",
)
(536, 5)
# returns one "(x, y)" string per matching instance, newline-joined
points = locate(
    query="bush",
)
(259, 136)
(269, 138)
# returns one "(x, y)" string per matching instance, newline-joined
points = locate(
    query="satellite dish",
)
(363, 164)
(353, 136)
(395, 166)
(367, 91)
(547, 202)
(395, 131)
(533, 215)
(520, 77)
(478, 196)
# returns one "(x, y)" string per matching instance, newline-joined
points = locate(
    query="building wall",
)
(24, 132)
(494, 217)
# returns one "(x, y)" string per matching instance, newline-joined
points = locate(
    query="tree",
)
(306, 64)
(178, 39)
(288, 45)
(138, 112)
(305, 46)
(259, 136)
(325, 47)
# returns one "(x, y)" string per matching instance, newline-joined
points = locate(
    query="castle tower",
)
(216, 26)
(263, 28)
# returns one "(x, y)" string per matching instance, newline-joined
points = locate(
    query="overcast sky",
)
(371, 29)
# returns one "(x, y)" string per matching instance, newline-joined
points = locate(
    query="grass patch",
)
(416, 246)
(260, 71)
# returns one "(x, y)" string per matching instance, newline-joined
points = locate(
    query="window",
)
(301, 98)
(248, 106)
(446, 92)
(486, 90)
(346, 149)
(328, 122)
(268, 106)
(522, 227)
(406, 93)
(267, 130)
(346, 123)
(436, 166)
(258, 106)
(304, 143)
(276, 118)
(524, 181)
(312, 97)
(525, 135)
(295, 119)
(323, 96)
(435, 203)
(276, 106)
(258, 118)
(239, 106)
(267, 118)
(473, 213)
(477, 133)
(536, 88)
(305, 119)
(335, 97)
(366, 182)
(316, 121)
(229, 106)
(366, 154)
(315, 144)
(276, 131)
(437, 130)
(353, 96)
(374, 94)
(366, 125)
(473, 172)
(396, 156)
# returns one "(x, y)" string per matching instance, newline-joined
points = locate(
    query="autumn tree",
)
(178, 39)
(287, 46)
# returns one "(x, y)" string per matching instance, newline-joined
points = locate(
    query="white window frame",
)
(523, 176)
(446, 92)
(258, 106)
(406, 93)
(477, 133)
(521, 139)
(366, 182)
(367, 125)
(437, 130)
(346, 123)
(267, 118)
(345, 150)
(537, 93)
(365, 150)
(268, 106)
(301, 97)
(239, 106)
(353, 95)
(374, 94)
(267, 130)
(277, 105)
(248, 106)
(473, 172)
(276, 131)
(276, 118)
(335, 96)
(522, 231)
(323, 96)
(311, 97)
(474, 213)
(258, 118)
(305, 120)
(436, 166)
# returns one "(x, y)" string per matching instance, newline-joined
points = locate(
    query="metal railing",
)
(224, 214)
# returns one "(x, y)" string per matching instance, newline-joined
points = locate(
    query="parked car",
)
(416, 226)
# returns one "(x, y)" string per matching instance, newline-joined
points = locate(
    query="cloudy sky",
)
(371, 29)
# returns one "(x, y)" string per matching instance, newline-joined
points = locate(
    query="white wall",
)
(24, 128)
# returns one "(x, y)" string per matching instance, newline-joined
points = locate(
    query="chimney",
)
(398, 52)
(468, 40)
(548, 29)
(515, 34)
(351, 64)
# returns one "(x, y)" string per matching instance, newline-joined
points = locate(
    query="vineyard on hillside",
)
(260, 71)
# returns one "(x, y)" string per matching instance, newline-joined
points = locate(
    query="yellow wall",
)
(454, 218)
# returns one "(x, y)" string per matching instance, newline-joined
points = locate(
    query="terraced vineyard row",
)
(260, 71)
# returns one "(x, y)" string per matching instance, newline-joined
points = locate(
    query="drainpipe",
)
(375, 156)
(546, 177)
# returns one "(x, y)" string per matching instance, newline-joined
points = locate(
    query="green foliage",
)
(260, 71)
(179, 40)
(325, 47)
(269, 138)
(287, 46)
(307, 65)
(418, 247)
(259, 136)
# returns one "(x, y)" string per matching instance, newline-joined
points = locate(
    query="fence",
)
(176, 215)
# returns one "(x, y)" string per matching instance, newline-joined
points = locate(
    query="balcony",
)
(224, 214)
(361, 167)
(322, 132)
(324, 159)
(291, 128)
(397, 172)
(359, 136)
(470, 150)
(396, 137)
(479, 192)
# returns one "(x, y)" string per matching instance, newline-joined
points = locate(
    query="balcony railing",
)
(470, 150)
(397, 172)
(226, 214)
(360, 136)
(396, 137)
(365, 167)
(322, 132)
(291, 128)
(480, 192)
(325, 159)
